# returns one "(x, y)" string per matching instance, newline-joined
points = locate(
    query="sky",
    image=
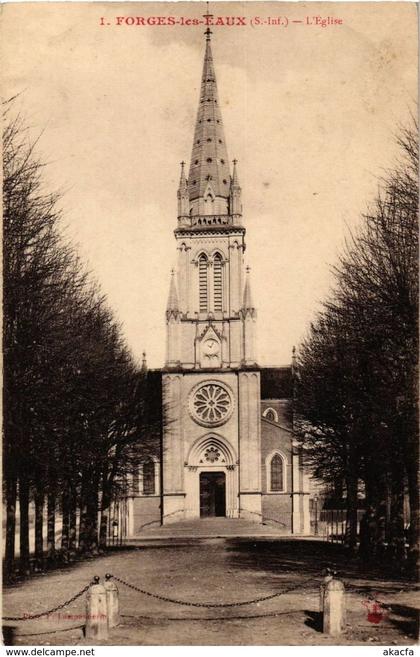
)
(310, 112)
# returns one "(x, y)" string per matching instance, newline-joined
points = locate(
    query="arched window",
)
(148, 477)
(202, 283)
(218, 282)
(276, 473)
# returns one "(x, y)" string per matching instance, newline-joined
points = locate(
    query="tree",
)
(76, 407)
(358, 373)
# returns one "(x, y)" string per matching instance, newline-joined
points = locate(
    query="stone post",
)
(324, 583)
(112, 602)
(334, 616)
(96, 612)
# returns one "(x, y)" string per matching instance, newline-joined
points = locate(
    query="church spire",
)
(249, 315)
(183, 199)
(235, 204)
(172, 306)
(144, 362)
(209, 176)
(248, 305)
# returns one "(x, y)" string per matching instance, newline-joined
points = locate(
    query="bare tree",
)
(76, 407)
(358, 368)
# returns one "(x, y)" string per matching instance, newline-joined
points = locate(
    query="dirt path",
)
(215, 570)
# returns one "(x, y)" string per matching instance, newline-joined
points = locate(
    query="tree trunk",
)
(39, 526)
(24, 524)
(381, 518)
(72, 522)
(396, 538)
(413, 537)
(11, 493)
(65, 500)
(103, 527)
(51, 503)
(83, 521)
(368, 524)
(351, 525)
(92, 514)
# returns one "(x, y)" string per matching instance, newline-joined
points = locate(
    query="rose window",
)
(212, 454)
(211, 404)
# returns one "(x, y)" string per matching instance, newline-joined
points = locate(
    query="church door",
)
(212, 494)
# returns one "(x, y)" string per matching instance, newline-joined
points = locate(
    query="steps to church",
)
(209, 528)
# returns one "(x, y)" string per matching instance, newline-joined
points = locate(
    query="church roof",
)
(209, 168)
(276, 383)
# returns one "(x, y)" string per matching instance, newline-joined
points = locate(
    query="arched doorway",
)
(212, 494)
(211, 479)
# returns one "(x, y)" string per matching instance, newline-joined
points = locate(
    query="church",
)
(227, 447)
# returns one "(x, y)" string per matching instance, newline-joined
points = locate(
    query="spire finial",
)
(144, 362)
(173, 296)
(207, 16)
(248, 303)
(235, 181)
(182, 179)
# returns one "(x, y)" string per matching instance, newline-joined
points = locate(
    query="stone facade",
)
(227, 443)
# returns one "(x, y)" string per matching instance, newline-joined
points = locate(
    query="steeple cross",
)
(207, 17)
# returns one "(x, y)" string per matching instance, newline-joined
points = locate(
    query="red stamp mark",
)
(376, 610)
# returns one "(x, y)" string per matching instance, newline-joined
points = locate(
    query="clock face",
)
(211, 346)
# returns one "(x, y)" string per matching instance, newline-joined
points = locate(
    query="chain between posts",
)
(54, 609)
(164, 598)
(207, 605)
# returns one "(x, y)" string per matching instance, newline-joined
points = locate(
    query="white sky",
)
(309, 112)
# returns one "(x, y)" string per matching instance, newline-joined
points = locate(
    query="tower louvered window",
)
(276, 473)
(218, 282)
(202, 283)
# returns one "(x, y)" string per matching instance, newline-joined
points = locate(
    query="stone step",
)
(210, 527)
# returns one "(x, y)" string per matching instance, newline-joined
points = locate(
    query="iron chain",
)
(49, 611)
(208, 605)
(157, 596)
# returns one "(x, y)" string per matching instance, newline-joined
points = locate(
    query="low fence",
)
(332, 524)
(103, 610)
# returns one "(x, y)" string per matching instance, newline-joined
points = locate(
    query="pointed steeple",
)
(144, 362)
(248, 314)
(209, 176)
(183, 198)
(235, 181)
(172, 306)
(235, 204)
(248, 305)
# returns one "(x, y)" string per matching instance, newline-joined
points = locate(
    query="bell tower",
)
(210, 327)
(211, 375)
